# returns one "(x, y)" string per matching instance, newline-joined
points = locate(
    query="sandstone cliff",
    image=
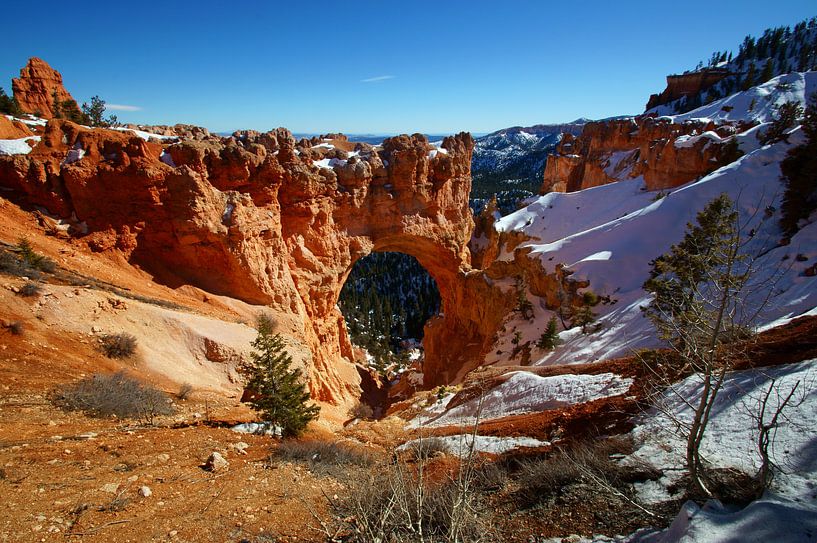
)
(665, 154)
(688, 84)
(275, 222)
(37, 87)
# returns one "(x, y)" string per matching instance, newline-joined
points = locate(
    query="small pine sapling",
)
(277, 391)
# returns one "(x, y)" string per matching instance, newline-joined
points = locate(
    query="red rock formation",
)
(254, 217)
(12, 129)
(37, 87)
(687, 84)
(609, 151)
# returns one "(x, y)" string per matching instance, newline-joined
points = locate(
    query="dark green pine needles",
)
(277, 392)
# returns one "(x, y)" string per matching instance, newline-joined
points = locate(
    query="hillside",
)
(509, 162)
(778, 51)
(449, 411)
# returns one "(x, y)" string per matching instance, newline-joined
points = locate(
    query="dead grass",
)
(323, 457)
(106, 395)
(121, 345)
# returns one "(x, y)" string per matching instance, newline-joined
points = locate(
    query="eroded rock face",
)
(688, 84)
(37, 87)
(663, 153)
(12, 129)
(277, 222)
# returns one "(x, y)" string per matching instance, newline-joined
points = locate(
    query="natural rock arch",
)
(272, 221)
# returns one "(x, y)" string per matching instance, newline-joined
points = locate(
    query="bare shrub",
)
(121, 345)
(30, 289)
(184, 391)
(16, 328)
(423, 449)
(362, 410)
(12, 265)
(117, 394)
(585, 462)
(395, 503)
(323, 456)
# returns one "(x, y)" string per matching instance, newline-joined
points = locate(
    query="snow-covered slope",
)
(608, 235)
(788, 511)
(758, 104)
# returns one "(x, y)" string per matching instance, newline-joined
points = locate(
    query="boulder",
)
(215, 462)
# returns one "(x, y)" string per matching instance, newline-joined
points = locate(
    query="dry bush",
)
(323, 457)
(30, 289)
(121, 345)
(184, 391)
(586, 462)
(12, 265)
(362, 410)
(395, 503)
(425, 448)
(105, 395)
(16, 328)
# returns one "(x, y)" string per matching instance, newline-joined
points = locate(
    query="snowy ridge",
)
(758, 104)
(631, 227)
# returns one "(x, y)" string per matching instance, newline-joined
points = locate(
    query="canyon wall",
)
(661, 152)
(688, 84)
(275, 222)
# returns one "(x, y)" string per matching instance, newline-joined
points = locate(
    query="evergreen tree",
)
(749, 80)
(583, 316)
(768, 71)
(676, 277)
(277, 391)
(788, 115)
(550, 337)
(95, 113)
(799, 170)
(523, 305)
(8, 105)
(56, 107)
(700, 307)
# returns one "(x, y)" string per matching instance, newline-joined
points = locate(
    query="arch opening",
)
(386, 301)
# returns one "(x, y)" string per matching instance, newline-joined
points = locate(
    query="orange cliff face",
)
(688, 84)
(665, 154)
(37, 87)
(256, 217)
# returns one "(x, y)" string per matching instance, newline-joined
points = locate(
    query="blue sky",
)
(376, 66)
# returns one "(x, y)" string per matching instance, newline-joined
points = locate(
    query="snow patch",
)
(525, 392)
(463, 445)
(18, 146)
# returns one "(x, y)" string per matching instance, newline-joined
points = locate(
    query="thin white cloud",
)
(122, 107)
(377, 79)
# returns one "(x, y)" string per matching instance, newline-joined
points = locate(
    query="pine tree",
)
(788, 115)
(523, 305)
(95, 113)
(56, 106)
(768, 71)
(550, 337)
(699, 298)
(277, 391)
(749, 81)
(799, 170)
(8, 105)
(583, 316)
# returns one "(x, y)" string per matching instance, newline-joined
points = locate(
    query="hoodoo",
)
(38, 87)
